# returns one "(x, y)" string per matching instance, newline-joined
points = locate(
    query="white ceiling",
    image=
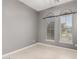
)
(39, 5)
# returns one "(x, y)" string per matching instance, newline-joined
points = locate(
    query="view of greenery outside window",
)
(66, 29)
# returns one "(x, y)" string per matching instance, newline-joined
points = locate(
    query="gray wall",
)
(19, 25)
(52, 11)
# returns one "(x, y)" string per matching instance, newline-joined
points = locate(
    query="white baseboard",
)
(43, 44)
(7, 56)
(49, 45)
(10, 53)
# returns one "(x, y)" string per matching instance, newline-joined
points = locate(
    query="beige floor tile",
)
(44, 52)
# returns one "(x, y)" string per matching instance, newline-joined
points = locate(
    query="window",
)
(50, 29)
(66, 29)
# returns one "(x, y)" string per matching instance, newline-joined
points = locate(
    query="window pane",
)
(50, 29)
(66, 29)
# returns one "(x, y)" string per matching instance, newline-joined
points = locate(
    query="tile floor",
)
(45, 52)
